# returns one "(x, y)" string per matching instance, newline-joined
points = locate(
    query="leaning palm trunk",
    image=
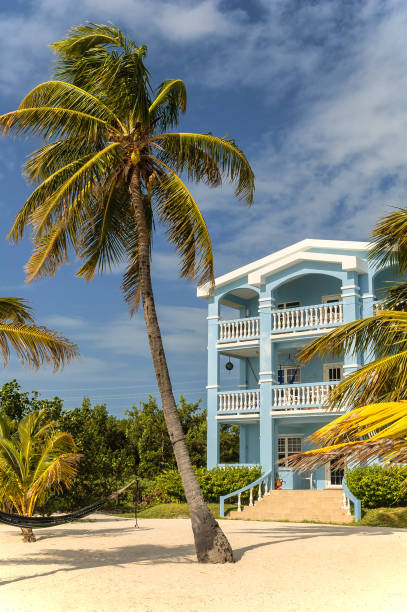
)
(211, 543)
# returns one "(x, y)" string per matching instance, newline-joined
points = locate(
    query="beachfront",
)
(105, 564)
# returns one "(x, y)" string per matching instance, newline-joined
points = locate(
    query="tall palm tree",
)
(108, 172)
(35, 459)
(33, 345)
(376, 427)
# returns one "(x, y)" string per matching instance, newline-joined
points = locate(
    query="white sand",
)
(105, 564)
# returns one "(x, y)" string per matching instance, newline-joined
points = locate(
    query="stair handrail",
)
(264, 478)
(357, 504)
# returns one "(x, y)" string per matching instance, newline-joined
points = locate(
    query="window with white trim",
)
(284, 305)
(330, 299)
(288, 445)
(289, 374)
(333, 372)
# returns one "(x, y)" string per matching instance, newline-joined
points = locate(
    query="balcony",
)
(239, 330)
(285, 397)
(307, 317)
(301, 397)
(239, 401)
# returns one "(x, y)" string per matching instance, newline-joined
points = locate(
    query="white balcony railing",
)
(319, 315)
(239, 401)
(239, 329)
(311, 395)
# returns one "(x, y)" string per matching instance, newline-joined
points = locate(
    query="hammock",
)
(35, 522)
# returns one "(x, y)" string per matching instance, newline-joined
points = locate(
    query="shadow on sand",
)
(85, 558)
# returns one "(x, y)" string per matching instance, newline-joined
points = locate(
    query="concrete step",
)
(298, 505)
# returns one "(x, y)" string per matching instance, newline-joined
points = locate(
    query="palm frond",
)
(40, 195)
(68, 96)
(186, 227)
(52, 122)
(350, 454)
(15, 310)
(54, 156)
(88, 58)
(35, 346)
(383, 338)
(171, 99)
(104, 235)
(184, 152)
(92, 172)
(389, 244)
(51, 249)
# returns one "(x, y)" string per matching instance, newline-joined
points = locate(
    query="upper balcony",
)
(304, 318)
(246, 331)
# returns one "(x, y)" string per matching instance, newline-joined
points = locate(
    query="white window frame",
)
(285, 437)
(290, 366)
(331, 299)
(328, 484)
(328, 366)
(283, 305)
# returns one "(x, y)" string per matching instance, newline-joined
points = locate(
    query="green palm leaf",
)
(183, 149)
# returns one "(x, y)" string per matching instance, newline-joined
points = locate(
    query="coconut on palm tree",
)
(376, 427)
(35, 460)
(113, 166)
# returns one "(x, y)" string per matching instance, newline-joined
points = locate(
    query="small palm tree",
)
(35, 460)
(33, 345)
(376, 428)
(109, 170)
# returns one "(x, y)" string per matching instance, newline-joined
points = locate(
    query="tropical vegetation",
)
(111, 168)
(35, 460)
(376, 427)
(116, 450)
(377, 486)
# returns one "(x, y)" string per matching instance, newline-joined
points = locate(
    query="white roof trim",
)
(349, 263)
(298, 248)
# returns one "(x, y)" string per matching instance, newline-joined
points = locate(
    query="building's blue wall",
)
(249, 443)
(308, 289)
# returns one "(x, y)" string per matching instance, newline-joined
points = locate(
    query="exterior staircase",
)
(325, 506)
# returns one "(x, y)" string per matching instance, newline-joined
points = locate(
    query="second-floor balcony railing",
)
(304, 396)
(239, 329)
(319, 315)
(239, 401)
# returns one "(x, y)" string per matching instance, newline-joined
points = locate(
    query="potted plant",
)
(278, 481)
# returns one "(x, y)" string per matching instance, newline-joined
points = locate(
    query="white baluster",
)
(251, 497)
(259, 497)
(266, 486)
(239, 502)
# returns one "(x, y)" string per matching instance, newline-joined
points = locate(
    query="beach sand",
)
(105, 564)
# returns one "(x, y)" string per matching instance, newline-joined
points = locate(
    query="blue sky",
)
(316, 95)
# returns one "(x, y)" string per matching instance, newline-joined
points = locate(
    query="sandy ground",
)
(106, 564)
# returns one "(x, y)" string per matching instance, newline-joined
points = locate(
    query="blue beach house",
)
(259, 317)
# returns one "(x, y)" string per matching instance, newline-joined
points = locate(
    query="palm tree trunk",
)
(211, 543)
(28, 535)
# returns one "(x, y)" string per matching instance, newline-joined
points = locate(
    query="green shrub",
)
(378, 487)
(213, 483)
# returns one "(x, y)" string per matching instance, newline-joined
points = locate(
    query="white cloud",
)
(62, 322)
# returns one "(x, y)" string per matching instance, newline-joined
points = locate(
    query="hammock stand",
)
(37, 522)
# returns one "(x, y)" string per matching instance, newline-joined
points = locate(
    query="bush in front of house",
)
(213, 482)
(378, 487)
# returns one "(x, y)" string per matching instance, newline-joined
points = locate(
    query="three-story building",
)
(259, 317)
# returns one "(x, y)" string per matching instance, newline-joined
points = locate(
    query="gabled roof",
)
(289, 256)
